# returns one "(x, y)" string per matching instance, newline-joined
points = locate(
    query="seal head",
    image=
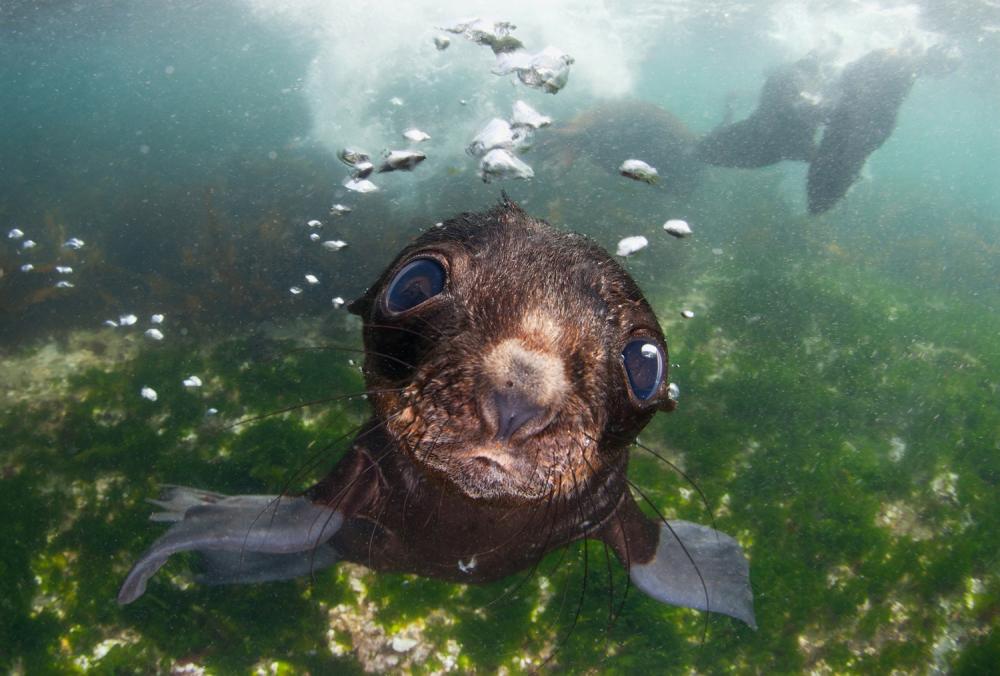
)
(503, 372)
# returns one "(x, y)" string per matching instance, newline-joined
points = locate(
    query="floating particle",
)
(499, 134)
(15, 233)
(629, 245)
(64, 270)
(156, 319)
(441, 42)
(110, 322)
(340, 210)
(687, 314)
(673, 392)
(493, 34)
(439, 224)
(416, 136)
(192, 381)
(500, 164)
(27, 267)
(314, 224)
(127, 320)
(74, 243)
(547, 70)
(148, 393)
(312, 279)
(396, 101)
(363, 170)
(526, 116)
(717, 252)
(272, 155)
(402, 645)
(64, 285)
(155, 334)
(169, 70)
(337, 302)
(334, 244)
(314, 237)
(401, 160)
(639, 171)
(361, 185)
(677, 228)
(212, 411)
(463, 102)
(144, 149)
(29, 244)
(295, 290)
(352, 157)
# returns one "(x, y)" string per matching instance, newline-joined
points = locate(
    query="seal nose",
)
(514, 409)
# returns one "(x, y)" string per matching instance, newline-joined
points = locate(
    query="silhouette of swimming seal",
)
(872, 89)
(510, 366)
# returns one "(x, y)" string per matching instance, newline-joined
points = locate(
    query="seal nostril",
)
(513, 411)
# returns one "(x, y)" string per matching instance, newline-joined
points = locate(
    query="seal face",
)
(509, 366)
(515, 386)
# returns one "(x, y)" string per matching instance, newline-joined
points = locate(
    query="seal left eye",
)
(643, 361)
(420, 280)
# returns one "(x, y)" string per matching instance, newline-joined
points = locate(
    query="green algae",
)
(842, 424)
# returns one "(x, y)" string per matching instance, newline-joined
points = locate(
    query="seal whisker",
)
(392, 327)
(677, 469)
(357, 350)
(305, 404)
(684, 548)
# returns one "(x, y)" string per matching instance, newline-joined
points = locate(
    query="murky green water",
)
(839, 378)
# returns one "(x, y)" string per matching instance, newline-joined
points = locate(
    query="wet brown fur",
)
(429, 485)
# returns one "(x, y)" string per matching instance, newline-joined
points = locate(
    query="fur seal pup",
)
(510, 366)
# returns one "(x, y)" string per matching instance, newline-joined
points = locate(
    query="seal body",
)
(509, 366)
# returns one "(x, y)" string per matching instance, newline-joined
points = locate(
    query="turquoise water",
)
(839, 383)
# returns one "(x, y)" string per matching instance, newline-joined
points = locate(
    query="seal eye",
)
(643, 360)
(420, 280)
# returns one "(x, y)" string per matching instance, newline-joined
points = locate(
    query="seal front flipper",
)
(247, 538)
(682, 563)
(873, 89)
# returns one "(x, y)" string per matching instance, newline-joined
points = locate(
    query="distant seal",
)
(871, 91)
(783, 127)
(856, 113)
(510, 366)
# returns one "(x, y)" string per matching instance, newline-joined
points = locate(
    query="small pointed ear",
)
(361, 306)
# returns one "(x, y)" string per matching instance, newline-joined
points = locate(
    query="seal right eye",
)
(643, 362)
(420, 280)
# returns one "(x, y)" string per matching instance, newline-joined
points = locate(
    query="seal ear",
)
(362, 306)
(667, 405)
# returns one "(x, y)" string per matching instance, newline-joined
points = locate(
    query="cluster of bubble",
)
(28, 247)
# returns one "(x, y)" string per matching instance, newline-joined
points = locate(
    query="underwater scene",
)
(293, 252)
